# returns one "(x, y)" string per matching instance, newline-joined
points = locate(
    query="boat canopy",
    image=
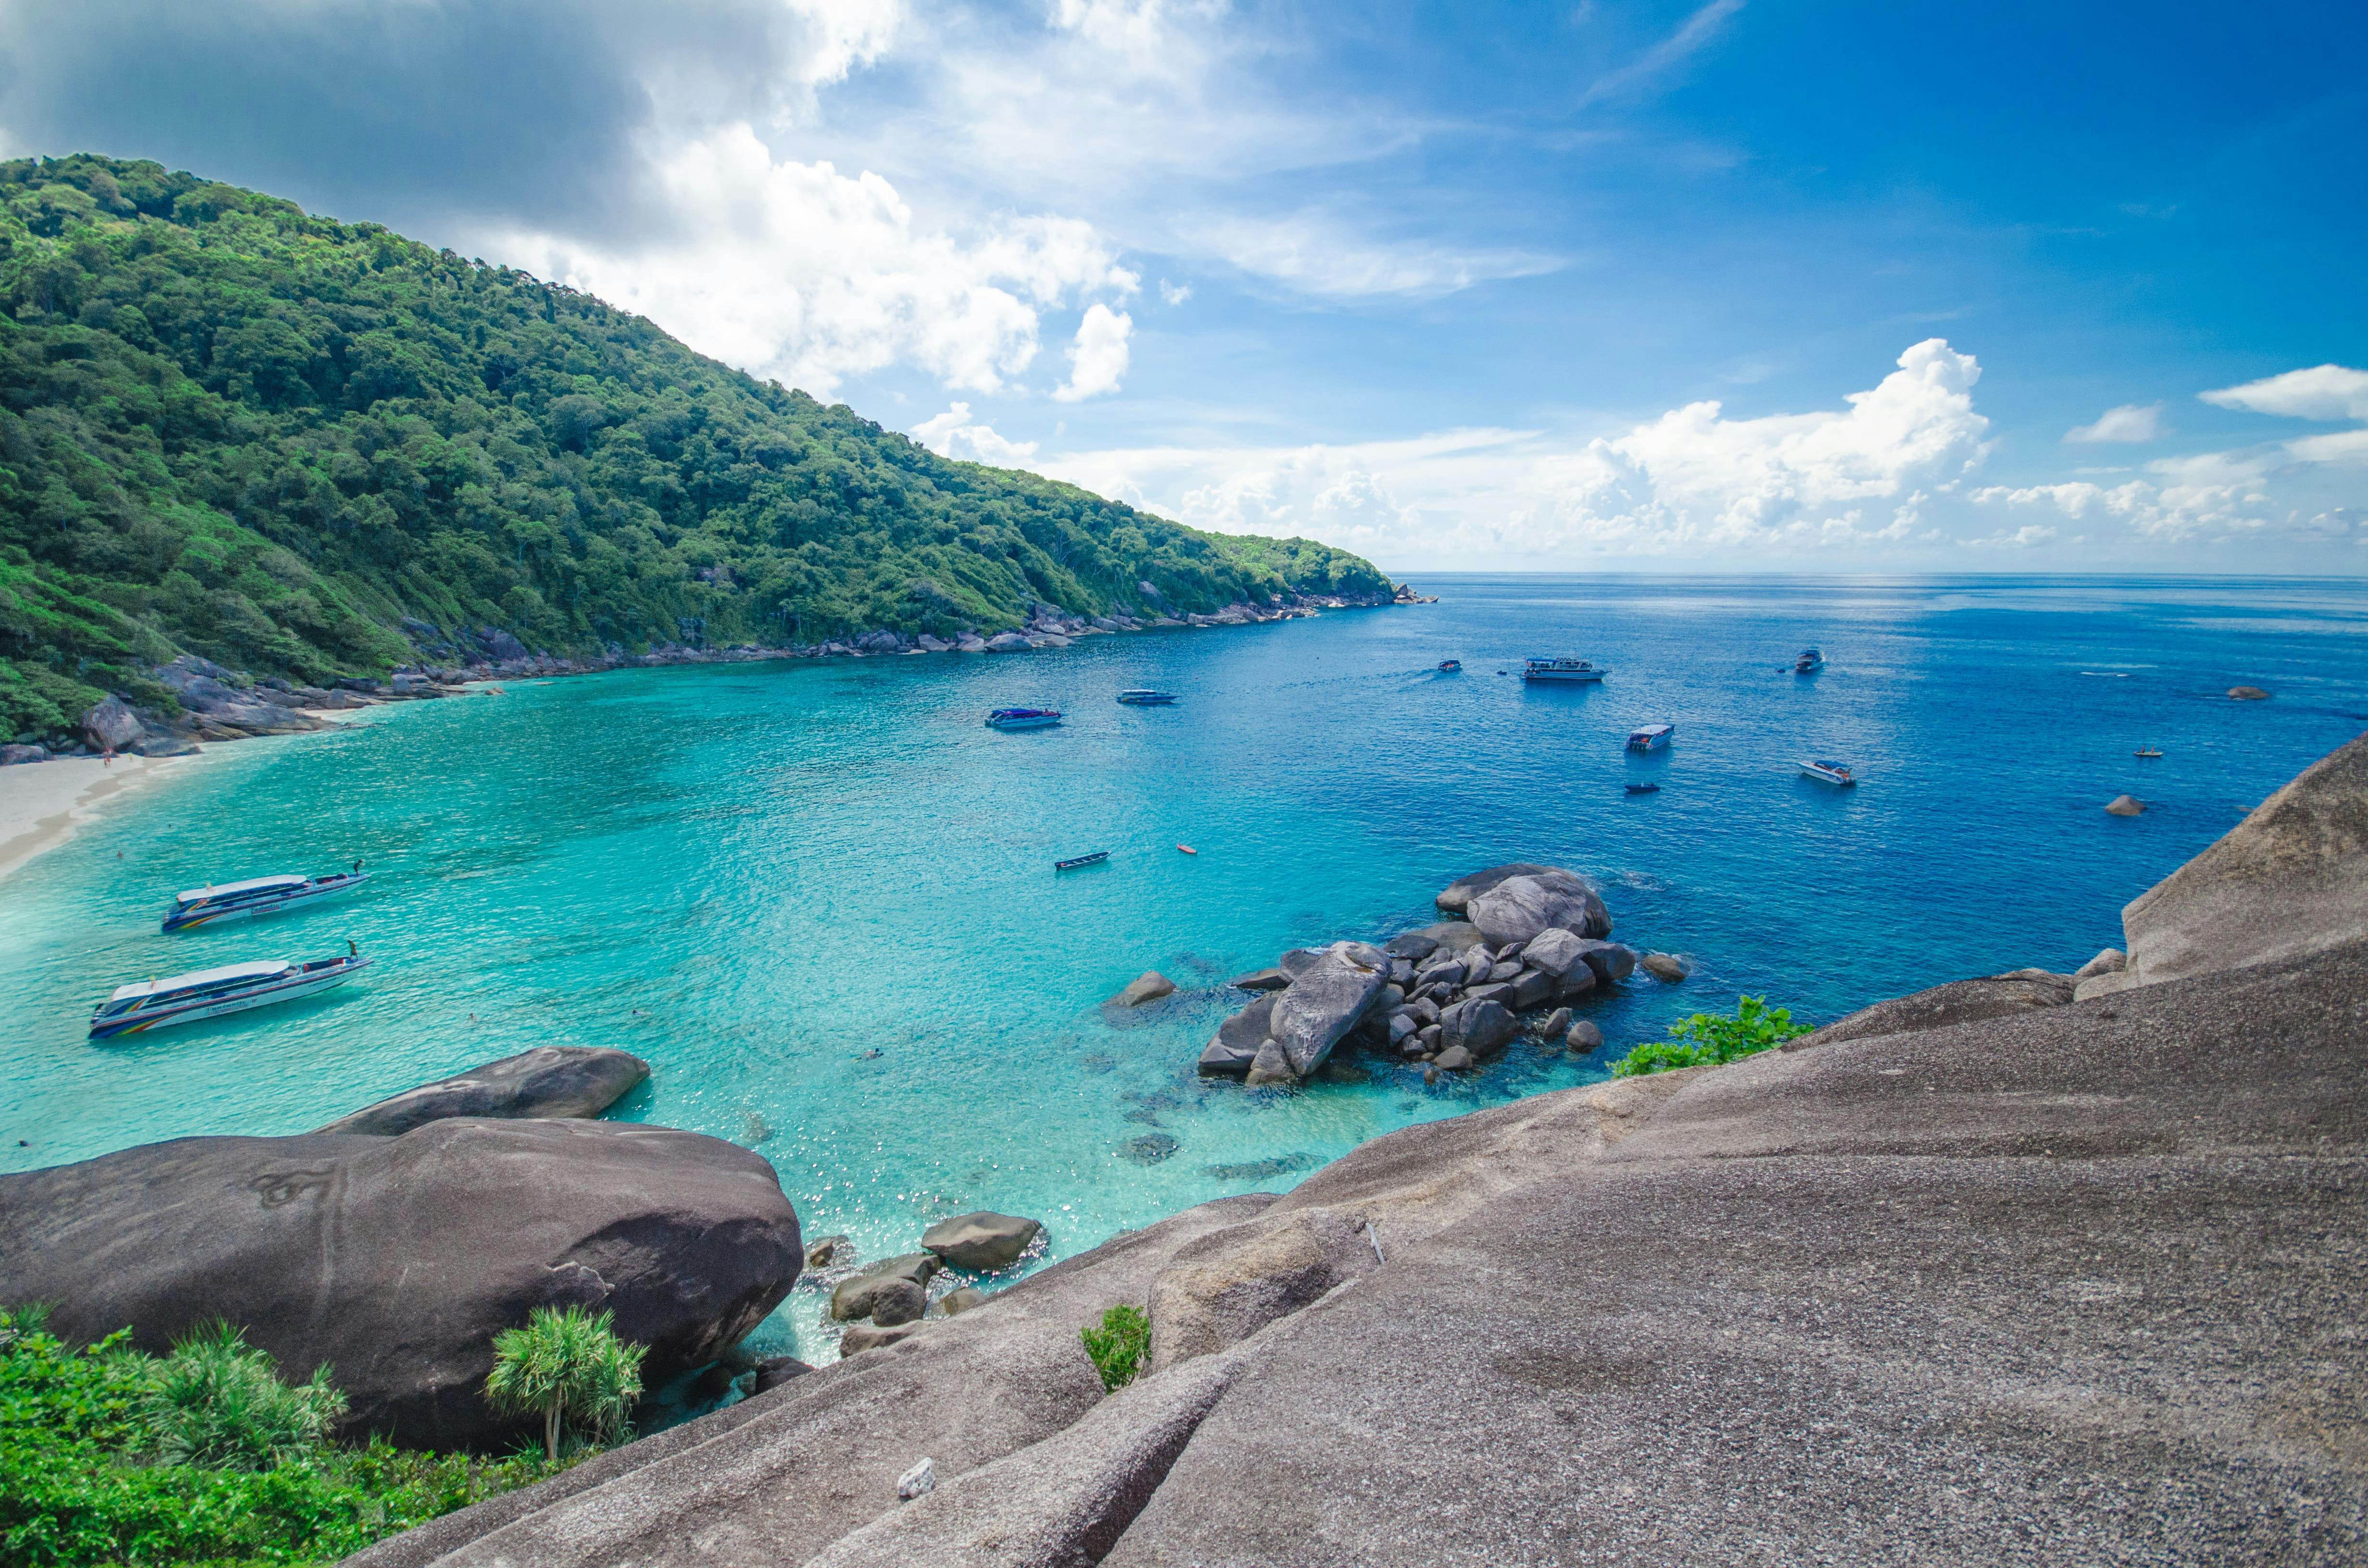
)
(201, 978)
(1649, 731)
(252, 884)
(1837, 766)
(1565, 664)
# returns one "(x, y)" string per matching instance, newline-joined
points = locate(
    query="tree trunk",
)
(551, 1431)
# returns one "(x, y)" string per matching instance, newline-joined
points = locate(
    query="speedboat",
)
(1143, 696)
(211, 992)
(257, 895)
(1652, 737)
(1809, 662)
(1562, 669)
(1023, 717)
(1826, 772)
(1450, 666)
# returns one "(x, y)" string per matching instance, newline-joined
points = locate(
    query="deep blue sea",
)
(819, 896)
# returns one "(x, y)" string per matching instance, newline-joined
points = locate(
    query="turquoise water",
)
(818, 897)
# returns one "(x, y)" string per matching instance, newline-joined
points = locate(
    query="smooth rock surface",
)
(1958, 1002)
(1457, 896)
(1480, 1027)
(1519, 908)
(396, 1260)
(1272, 979)
(1148, 986)
(2126, 806)
(1235, 1044)
(983, 1242)
(111, 726)
(1584, 1037)
(1665, 967)
(549, 1080)
(1327, 1000)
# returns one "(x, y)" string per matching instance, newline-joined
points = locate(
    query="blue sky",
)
(1971, 288)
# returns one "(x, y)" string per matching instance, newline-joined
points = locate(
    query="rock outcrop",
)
(396, 1259)
(1519, 908)
(549, 1080)
(981, 1242)
(1327, 1000)
(1958, 1002)
(2070, 1282)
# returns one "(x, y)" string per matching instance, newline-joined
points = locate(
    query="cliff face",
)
(2075, 1283)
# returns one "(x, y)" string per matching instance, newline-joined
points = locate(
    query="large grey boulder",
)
(1481, 1025)
(1519, 908)
(1009, 642)
(1959, 1002)
(1327, 1000)
(111, 726)
(549, 1080)
(1148, 986)
(983, 1242)
(1235, 1044)
(396, 1260)
(1609, 962)
(858, 1296)
(1457, 896)
(2290, 878)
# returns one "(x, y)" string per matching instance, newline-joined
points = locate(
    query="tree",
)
(566, 1364)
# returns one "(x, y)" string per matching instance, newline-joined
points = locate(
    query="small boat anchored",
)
(2147, 750)
(1827, 772)
(1143, 696)
(1644, 788)
(1023, 717)
(1809, 662)
(1075, 861)
(1561, 670)
(1652, 737)
(211, 992)
(1450, 666)
(257, 895)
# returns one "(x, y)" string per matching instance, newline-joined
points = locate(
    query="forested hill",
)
(230, 429)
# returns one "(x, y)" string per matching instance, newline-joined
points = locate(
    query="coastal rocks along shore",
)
(1448, 996)
(888, 1301)
(2027, 1247)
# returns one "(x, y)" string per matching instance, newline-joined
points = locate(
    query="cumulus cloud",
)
(954, 434)
(1097, 359)
(2323, 392)
(1175, 293)
(2131, 421)
(797, 270)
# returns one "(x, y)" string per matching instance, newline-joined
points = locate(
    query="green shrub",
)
(1713, 1039)
(82, 1480)
(566, 1364)
(219, 1402)
(1117, 1347)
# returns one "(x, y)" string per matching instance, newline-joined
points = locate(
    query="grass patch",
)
(1118, 1345)
(109, 1456)
(1713, 1039)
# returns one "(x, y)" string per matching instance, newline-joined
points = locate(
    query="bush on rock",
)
(1713, 1039)
(1118, 1345)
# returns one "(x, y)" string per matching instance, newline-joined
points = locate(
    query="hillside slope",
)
(232, 428)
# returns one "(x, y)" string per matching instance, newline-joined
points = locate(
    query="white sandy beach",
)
(41, 804)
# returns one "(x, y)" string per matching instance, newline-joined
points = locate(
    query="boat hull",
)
(190, 919)
(1838, 781)
(1565, 678)
(1023, 724)
(290, 987)
(1146, 699)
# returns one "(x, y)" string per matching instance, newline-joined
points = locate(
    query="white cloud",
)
(954, 434)
(1318, 254)
(1175, 293)
(1698, 31)
(2131, 421)
(1097, 359)
(2323, 392)
(796, 270)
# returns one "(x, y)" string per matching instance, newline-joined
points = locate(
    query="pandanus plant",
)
(566, 1365)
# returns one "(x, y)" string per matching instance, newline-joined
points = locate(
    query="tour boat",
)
(1095, 858)
(211, 992)
(1809, 662)
(1652, 737)
(1143, 696)
(1829, 773)
(1023, 717)
(257, 895)
(1562, 669)
(1450, 667)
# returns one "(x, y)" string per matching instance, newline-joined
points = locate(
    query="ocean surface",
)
(819, 896)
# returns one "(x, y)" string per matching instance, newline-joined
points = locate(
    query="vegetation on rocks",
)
(1117, 1347)
(232, 428)
(566, 1365)
(110, 1456)
(1711, 1038)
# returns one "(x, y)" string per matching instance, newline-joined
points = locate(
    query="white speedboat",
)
(1809, 662)
(257, 895)
(1562, 670)
(1023, 718)
(1652, 737)
(1827, 772)
(211, 992)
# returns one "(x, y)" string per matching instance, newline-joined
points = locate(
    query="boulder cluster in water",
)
(890, 1300)
(1530, 940)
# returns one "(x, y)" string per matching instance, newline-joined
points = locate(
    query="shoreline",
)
(42, 805)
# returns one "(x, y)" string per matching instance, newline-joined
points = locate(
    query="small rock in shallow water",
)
(1454, 1059)
(2248, 694)
(830, 1252)
(1270, 1066)
(1665, 966)
(983, 1242)
(1259, 1170)
(1584, 1037)
(1557, 1024)
(897, 1301)
(1149, 1149)
(1260, 980)
(2124, 806)
(1149, 986)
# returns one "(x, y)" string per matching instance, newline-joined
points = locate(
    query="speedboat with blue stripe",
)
(211, 992)
(1023, 717)
(257, 895)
